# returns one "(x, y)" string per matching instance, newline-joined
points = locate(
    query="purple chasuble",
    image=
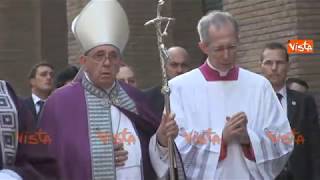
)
(64, 118)
(32, 161)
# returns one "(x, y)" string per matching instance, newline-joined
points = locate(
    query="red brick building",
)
(31, 31)
(40, 29)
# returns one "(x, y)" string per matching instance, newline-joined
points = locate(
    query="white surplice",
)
(133, 166)
(200, 104)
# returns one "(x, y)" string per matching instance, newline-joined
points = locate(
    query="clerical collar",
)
(221, 73)
(211, 73)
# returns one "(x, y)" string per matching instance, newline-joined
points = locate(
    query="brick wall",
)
(308, 67)
(36, 30)
(19, 40)
(54, 48)
(30, 32)
(187, 14)
(141, 52)
(263, 21)
(73, 9)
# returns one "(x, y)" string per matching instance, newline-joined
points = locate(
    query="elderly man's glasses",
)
(102, 56)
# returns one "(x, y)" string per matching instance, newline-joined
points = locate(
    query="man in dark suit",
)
(66, 76)
(41, 79)
(297, 84)
(177, 65)
(304, 162)
(23, 152)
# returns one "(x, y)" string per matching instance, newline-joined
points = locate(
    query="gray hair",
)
(217, 19)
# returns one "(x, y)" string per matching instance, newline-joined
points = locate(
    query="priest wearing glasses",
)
(102, 128)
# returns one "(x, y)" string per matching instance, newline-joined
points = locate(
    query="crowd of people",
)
(93, 122)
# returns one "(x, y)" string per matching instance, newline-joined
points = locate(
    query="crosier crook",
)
(165, 87)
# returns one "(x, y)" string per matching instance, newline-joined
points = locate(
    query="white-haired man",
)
(227, 114)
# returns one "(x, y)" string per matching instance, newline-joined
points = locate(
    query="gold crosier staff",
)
(165, 87)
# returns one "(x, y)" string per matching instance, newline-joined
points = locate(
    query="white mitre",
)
(101, 22)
